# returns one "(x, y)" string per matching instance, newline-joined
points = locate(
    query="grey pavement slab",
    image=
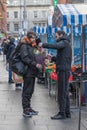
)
(11, 110)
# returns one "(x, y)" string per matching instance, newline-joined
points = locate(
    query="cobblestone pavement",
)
(11, 111)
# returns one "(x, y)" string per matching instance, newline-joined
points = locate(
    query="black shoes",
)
(58, 116)
(33, 112)
(10, 81)
(61, 116)
(68, 115)
(29, 112)
(18, 86)
(26, 113)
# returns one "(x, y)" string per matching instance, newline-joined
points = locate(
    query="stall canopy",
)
(64, 16)
(70, 14)
(52, 30)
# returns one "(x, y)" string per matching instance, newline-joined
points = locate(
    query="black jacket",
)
(64, 53)
(10, 49)
(28, 57)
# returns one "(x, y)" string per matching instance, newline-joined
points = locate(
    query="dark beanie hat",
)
(59, 32)
(38, 41)
(12, 40)
(30, 34)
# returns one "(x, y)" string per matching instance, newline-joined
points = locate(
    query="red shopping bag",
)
(54, 76)
(71, 78)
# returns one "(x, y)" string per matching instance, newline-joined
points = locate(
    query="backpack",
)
(5, 48)
(16, 64)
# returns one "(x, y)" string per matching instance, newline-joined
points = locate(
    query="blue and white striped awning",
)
(70, 14)
(51, 31)
(65, 16)
(40, 30)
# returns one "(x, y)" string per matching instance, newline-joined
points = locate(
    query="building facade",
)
(24, 15)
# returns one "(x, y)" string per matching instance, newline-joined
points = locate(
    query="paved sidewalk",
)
(11, 111)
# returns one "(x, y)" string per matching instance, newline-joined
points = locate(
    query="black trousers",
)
(63, 92)
(28, 89)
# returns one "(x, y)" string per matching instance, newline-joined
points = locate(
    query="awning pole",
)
(83, 49)
(72, 44)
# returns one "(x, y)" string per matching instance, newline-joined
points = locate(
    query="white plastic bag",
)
(17, 78)
(7, 66)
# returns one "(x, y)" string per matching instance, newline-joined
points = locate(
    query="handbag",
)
(17, 65)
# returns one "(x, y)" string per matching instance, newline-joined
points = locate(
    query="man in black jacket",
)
(63, 66)
(27, 53)
(10, 48)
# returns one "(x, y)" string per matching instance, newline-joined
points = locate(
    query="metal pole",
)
(25, 18)
(79, 122)
(72, 44)
(20, 16)
(20, 23)
(83, 50)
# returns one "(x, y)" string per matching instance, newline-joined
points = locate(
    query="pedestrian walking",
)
(0, 46)
(10, 49)
(27, 53)
(63, 67)
(5, 45)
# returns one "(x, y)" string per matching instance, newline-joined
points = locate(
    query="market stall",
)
(73, 20)
(47, 35)
(74, 15)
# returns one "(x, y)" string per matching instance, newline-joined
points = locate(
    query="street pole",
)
(20, 23)
(25, 18)
(20, 16)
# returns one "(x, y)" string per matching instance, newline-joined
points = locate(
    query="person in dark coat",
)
(40, 58)
(10, 49)
(63, 67)
(27, 53)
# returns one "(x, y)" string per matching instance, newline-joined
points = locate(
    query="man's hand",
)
(44, 45)
(39, 66)
(49, 57)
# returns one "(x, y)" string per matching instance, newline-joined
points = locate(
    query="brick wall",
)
(64, 1)
(3, 17)
(71, 1)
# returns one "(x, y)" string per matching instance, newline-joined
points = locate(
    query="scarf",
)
(28, 41)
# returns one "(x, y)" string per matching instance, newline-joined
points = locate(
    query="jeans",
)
(10, 74)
